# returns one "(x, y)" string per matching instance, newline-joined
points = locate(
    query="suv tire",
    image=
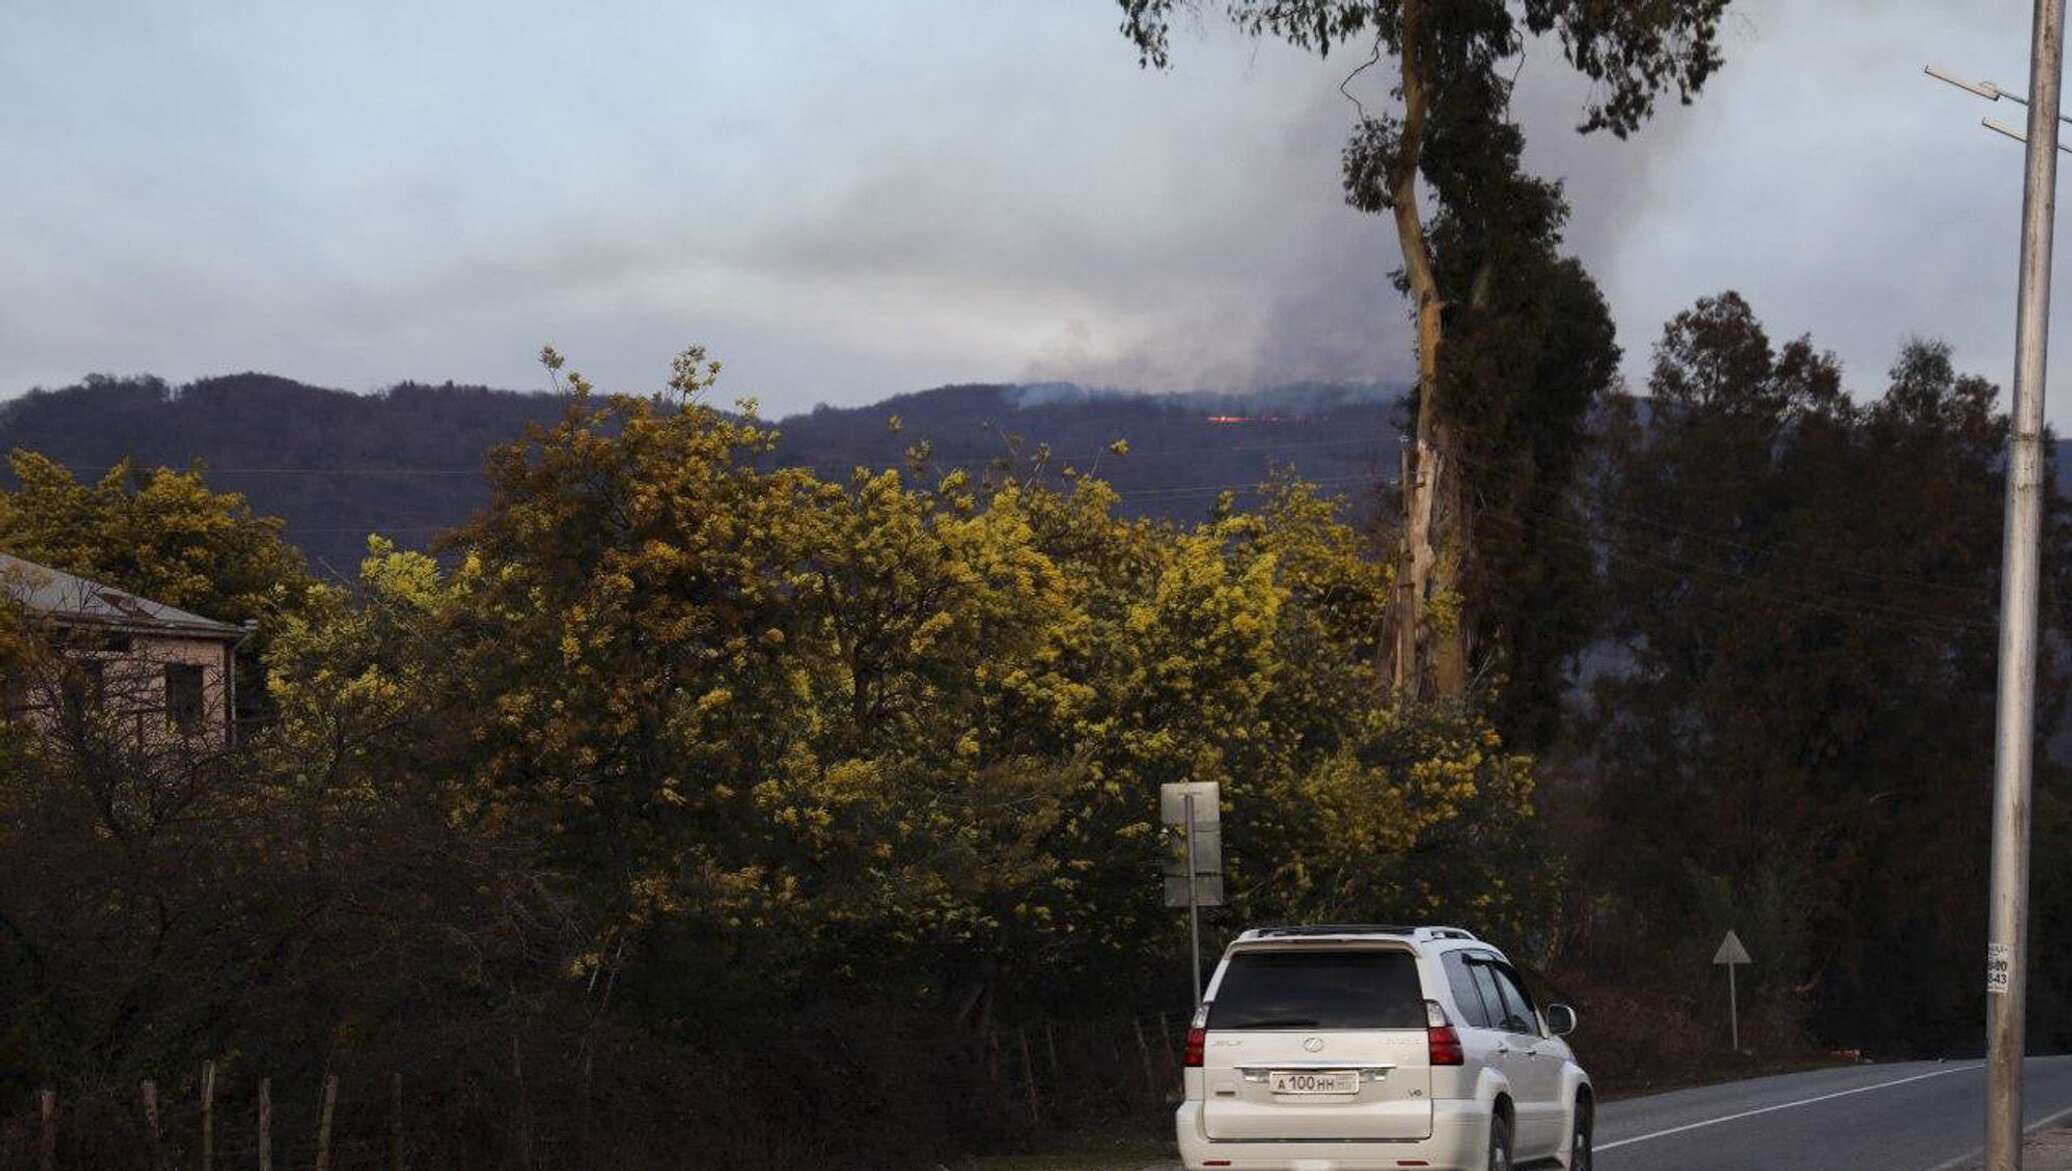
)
(1579, 1143)
(1499, 1142)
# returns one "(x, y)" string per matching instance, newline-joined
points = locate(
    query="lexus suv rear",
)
(1340, 1048)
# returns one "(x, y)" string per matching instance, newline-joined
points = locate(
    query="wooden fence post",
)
(524, 1106)
(208, 1116)
(396, 1120)
(324, 1122)
(1144, 1051)
(1165, 1040)
(266, 1124)
(47, 1106)
(1028, 1074)
(150, 1094)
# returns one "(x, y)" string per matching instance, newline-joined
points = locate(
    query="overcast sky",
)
(848, 200)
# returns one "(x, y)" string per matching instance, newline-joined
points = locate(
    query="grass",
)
(1116, 1147)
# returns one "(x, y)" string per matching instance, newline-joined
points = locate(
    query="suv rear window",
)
(1319, 990)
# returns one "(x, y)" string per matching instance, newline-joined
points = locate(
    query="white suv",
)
(1334, 1048)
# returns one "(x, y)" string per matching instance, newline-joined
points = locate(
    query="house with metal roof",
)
(168, 672)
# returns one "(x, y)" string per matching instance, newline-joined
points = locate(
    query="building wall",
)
(154, 653)
(133, 686)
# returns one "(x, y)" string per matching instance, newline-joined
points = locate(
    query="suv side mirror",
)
(1561, 1020)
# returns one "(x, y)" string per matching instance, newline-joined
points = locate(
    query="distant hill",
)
(1184, 449)
(406, 462)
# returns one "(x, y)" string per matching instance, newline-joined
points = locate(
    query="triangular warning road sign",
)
(1730, 951)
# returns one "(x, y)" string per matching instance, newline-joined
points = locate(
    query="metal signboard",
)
(1208, 890)
(1207, 835)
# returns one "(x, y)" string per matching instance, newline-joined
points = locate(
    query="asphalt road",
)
(1907, 1117)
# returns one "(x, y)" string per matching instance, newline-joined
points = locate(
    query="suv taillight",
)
(1440, 1036)
(1197, 1034)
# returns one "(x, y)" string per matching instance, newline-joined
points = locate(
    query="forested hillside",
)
(407, 462)
(701, 748)
(694, 763)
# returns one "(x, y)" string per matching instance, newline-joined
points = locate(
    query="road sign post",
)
(1732, 955)
(1192, 813)
(1193, 908)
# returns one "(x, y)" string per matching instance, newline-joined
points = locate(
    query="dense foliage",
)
(677, 748)
(677, 757)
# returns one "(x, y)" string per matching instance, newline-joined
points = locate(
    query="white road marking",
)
(1973, 1158)
(1788, 1105)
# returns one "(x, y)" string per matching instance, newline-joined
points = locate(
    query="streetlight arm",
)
(2017, 135)
(1984, 89)
(2018, 99)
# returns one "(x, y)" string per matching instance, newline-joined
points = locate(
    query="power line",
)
(1773, 551)
(1817, 600)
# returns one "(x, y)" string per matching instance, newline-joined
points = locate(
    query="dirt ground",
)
(2046, 1150)
(1102, 1154)
(2050, 1150)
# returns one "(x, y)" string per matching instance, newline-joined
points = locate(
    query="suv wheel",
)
(1579, 1146)
(1499, 1142)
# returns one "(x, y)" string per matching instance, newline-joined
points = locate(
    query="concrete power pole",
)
(2007, 930)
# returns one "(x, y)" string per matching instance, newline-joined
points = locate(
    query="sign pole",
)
(1193, 909)
(1731, 955)
(1733, 1008)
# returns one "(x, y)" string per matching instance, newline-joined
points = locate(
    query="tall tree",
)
(1801, 596)
(1453, 66)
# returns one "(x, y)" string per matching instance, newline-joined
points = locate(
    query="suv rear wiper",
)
(1285, 1022)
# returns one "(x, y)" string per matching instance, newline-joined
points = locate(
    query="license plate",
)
(1327, 1081)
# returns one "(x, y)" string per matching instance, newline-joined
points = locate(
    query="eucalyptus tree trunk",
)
(1428, 557)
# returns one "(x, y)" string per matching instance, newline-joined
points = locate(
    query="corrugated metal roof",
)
(67, 598)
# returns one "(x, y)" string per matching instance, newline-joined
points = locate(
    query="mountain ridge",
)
(405, 461)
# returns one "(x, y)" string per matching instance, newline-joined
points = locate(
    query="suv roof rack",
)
(1301, 929)
(1305, 929)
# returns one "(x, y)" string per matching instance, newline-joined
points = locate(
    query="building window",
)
(84, 688)
(183, 700)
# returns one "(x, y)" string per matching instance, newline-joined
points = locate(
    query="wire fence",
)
(1005, 1083)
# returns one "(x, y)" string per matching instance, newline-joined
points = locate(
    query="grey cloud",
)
(846, 203)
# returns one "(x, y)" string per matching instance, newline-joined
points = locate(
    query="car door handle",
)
(1502, 1049)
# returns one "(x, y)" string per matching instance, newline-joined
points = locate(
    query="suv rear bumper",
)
(1459, 1142)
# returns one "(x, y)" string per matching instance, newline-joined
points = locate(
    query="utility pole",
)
(2015, 733)
(2008, 921)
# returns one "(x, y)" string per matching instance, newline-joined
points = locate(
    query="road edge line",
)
(1965, 1160)
(1641, 1138)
